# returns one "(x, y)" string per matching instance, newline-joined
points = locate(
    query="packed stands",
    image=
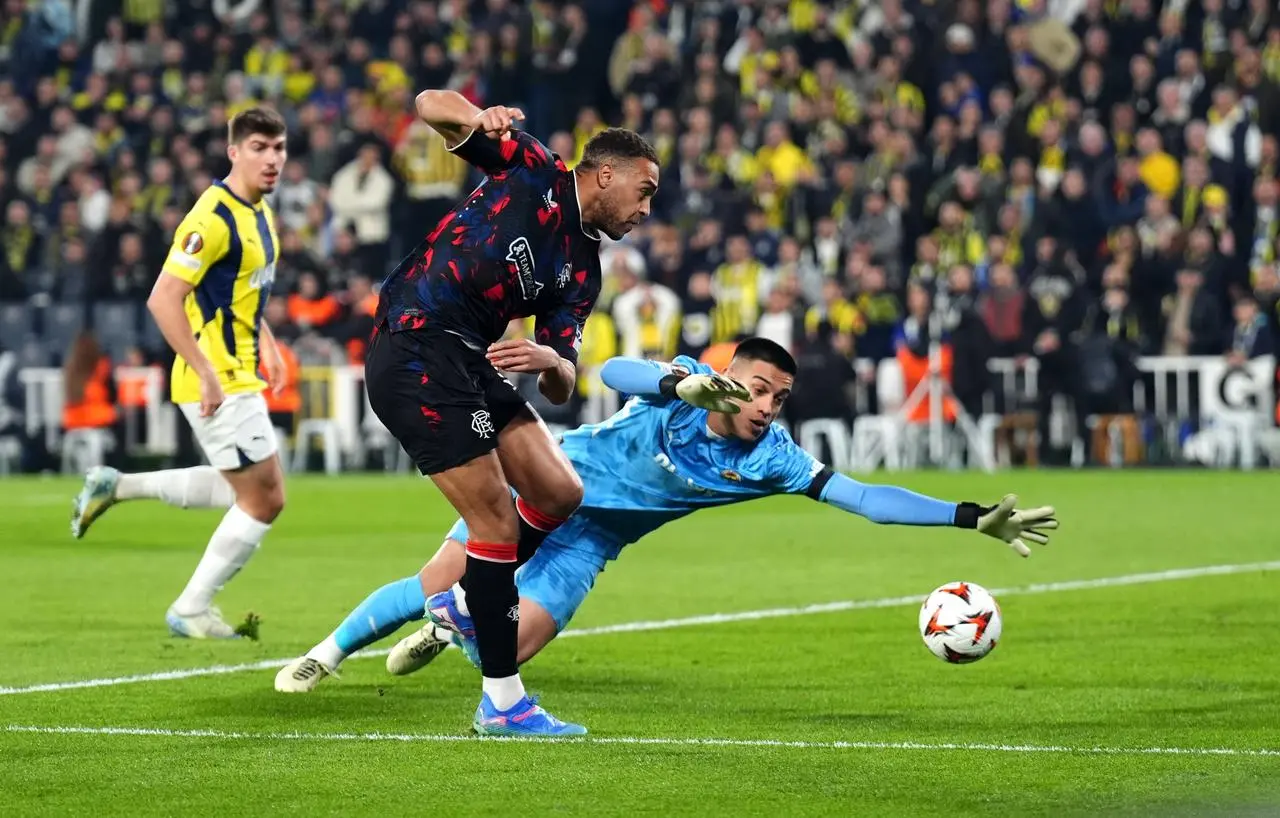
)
(1068, 209)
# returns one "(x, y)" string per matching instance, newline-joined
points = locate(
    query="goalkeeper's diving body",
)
(688, 438)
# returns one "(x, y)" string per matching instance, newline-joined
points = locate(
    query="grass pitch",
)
(1155, 694)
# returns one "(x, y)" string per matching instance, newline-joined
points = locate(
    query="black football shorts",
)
(439, 397)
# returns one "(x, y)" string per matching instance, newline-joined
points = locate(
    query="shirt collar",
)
(223, 184)
(577, 203)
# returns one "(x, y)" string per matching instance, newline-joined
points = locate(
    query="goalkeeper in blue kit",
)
(688, 438)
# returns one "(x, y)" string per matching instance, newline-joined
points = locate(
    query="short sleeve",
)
(493, 156)
(561, 326)
(198, 243)
(562, 329)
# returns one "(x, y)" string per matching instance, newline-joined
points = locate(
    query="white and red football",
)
(960, 622)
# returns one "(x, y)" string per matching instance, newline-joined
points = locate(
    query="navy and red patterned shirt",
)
(515, 247)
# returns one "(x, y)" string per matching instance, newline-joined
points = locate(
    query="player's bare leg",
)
(259, 499)
(537, 468)
(104, 487)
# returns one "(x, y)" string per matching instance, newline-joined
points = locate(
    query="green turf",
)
(1176, 664)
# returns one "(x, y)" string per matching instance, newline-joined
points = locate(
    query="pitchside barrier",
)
(1184, 410)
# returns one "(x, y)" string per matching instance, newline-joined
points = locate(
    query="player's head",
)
(617, 177)
(768, 372)
(256, 146)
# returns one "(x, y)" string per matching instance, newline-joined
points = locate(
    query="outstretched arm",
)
(899, 506)
(890, 504)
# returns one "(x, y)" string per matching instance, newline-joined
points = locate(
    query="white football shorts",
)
(239, 434)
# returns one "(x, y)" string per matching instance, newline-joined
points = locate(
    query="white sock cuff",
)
(460, 599)
(240, 525)
(327, 653)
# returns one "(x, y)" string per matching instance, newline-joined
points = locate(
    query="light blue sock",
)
(382, 613)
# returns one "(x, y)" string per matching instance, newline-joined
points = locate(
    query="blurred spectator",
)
(1053, 311)
(916, 340)
(1251, 337)
(362, 304)
(1002, 307)
(970, 342)
(646, 315)
(781, 320)
(737, 290)
(1192, 317)
(12, 399)
(276, 315)
(294, 197)
(89, 387)
(21, 250)
(824, 378)
(131, 277)
(697, 309)
(1111, 338)
(433, 179)
(310, 308)
(361, 200)
(881, 313)
(285, 400)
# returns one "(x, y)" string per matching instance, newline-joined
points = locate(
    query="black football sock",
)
(495, 610)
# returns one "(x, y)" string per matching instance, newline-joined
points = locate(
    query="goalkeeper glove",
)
(1012, 526)
(713, 392)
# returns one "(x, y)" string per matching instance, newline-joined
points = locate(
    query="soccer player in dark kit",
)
(526, 242)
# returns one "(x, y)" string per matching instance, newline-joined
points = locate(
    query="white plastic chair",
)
(327, 432)
(836, 434)
(82, 449)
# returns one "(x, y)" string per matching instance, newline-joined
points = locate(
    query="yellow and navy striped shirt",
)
(227, 249)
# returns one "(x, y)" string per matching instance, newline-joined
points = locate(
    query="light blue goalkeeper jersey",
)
(655, 461)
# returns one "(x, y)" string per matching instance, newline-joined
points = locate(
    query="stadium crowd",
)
(1074, 181)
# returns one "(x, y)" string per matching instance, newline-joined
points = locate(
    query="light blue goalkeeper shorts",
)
(563, 569)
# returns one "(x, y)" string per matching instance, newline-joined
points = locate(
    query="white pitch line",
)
(660, 742)
(691, 621)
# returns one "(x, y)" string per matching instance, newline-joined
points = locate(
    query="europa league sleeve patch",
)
(192, 243)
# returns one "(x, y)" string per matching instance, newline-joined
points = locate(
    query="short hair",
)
(255, 122)
(616, 143)
(770, 352)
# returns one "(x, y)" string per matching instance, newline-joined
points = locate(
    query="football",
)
(960, 622)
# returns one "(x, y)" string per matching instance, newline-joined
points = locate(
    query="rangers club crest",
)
(482, 424)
